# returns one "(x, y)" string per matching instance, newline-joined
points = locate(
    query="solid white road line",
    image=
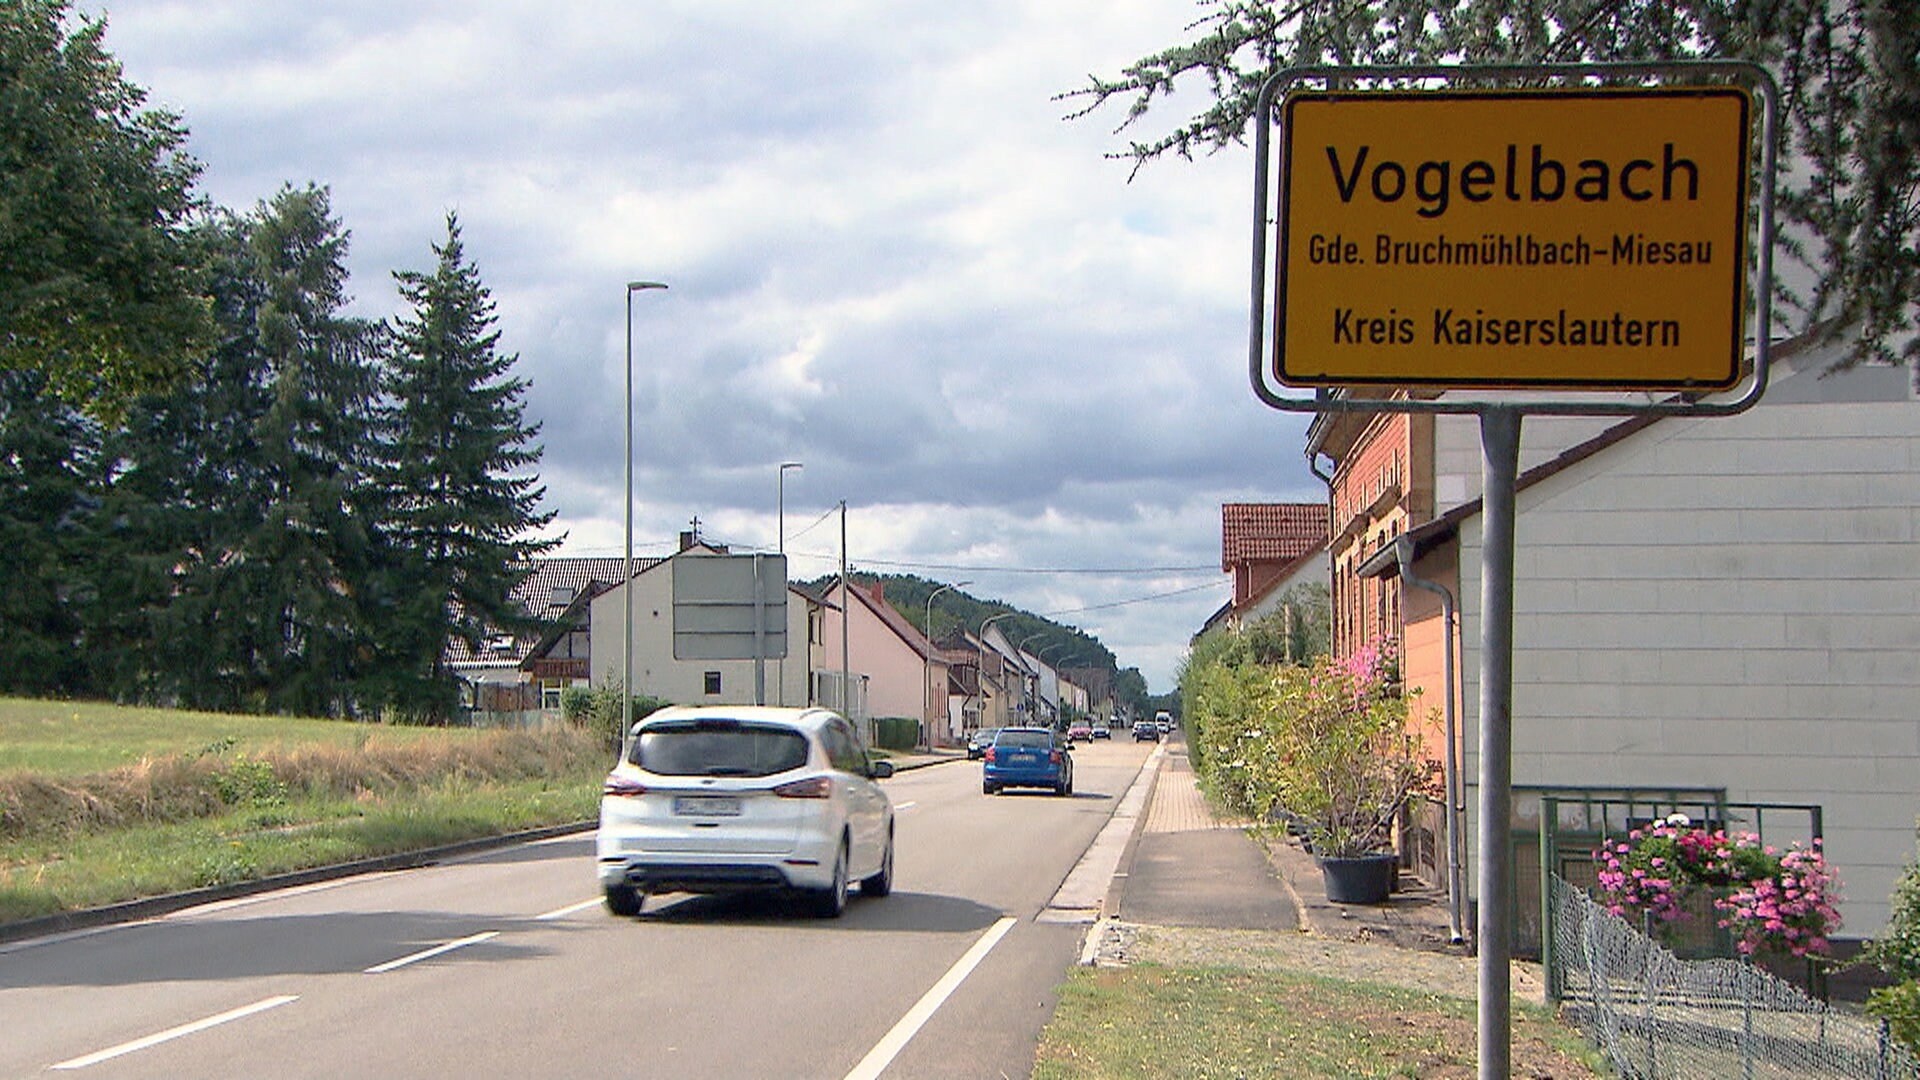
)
(381, 969)
(908, 805)
(561, 913)
(175, 1033)
(889, 1047)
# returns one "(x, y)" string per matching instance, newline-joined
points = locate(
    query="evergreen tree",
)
(293, 586)
(181, 496)
(459, 495)
(45, 459)
(1849, 74)
(97, 291)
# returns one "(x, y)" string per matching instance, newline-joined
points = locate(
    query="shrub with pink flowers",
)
(1771, 901)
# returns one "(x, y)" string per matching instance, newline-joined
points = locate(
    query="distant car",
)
(719, 799)
(1102, 731)
(1146, 731)
(1027, 757)
(1080, 733)
(978, 742)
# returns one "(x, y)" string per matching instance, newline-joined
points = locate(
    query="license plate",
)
(1026, 759)
(706, 805)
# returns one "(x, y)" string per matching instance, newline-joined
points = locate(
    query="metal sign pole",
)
(759, 633)
(1499, 470)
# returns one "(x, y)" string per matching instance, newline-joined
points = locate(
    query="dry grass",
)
(186, 786)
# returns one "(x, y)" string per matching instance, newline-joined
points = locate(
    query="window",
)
(550, 693)
(719, 748)
(843, 749)
(713, 682)
(1025, 740)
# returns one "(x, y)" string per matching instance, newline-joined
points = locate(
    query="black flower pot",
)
(1359, 879)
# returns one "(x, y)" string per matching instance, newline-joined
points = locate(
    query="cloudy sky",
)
(890, 258)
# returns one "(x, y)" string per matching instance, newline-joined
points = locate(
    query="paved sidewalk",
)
(1197, 884)
(1190, 869)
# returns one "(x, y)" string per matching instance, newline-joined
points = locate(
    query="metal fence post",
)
(1549, 875)
(1646, 988)
(1746, 1026)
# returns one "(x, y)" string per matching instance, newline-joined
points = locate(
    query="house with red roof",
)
(1268, 548)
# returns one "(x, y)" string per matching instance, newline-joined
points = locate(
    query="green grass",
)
(101, 804)
(1149, 1021)
(44, 876)
(69, 738)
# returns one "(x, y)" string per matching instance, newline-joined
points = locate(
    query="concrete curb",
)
(1083, 895)
(155, 906)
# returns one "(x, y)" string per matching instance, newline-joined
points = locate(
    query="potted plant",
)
(1344, 766)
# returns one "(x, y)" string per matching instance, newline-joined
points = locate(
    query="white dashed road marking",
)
(175, 1033)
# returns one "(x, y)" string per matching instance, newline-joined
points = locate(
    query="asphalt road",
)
(506, 964)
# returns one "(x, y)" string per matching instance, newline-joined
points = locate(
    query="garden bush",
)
(1897, 952)
(896, 732)
(598, 709)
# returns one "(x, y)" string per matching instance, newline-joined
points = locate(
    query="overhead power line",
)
(901, 564)
(1135, 600)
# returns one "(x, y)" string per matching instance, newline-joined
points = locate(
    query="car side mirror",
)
(880, 770)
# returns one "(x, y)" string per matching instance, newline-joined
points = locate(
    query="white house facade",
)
(1728, 603)
(692, 682)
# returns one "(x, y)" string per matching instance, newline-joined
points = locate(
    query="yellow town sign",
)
(1590, 239)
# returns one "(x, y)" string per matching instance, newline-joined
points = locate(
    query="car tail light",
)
(1053, 756)
(989, 753)
(622, 786)
(817, 787)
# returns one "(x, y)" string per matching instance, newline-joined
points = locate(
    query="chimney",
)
(880, 592)
(686, 541)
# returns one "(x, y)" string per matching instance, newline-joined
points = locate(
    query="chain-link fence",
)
(1656, 1016)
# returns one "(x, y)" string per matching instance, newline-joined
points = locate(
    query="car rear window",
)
(719, 748)
(1024, 739)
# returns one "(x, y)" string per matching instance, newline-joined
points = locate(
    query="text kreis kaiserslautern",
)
(1557, 328)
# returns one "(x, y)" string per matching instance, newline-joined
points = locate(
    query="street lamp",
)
(626, 583)
(1042, 656)
(1020, 654)
(780, 505)
(926, 677)
(780, 510)
(981, 664)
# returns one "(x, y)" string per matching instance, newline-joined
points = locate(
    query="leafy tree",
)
(1848, 74)
(46, 452)
(97, 286)
(1130, 691)
(460, 501)
(1297, 631)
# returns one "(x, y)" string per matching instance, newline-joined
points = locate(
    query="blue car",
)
(1027, 757)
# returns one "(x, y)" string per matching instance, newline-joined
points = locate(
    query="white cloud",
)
(890, 259)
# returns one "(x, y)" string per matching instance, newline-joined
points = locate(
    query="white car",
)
(721, 799)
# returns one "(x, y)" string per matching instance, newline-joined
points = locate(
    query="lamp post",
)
(780, 511)
(780, 506)
(926, 677)
(1020, 654)
(981, 666)
(626, 582)
(1042, 657)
